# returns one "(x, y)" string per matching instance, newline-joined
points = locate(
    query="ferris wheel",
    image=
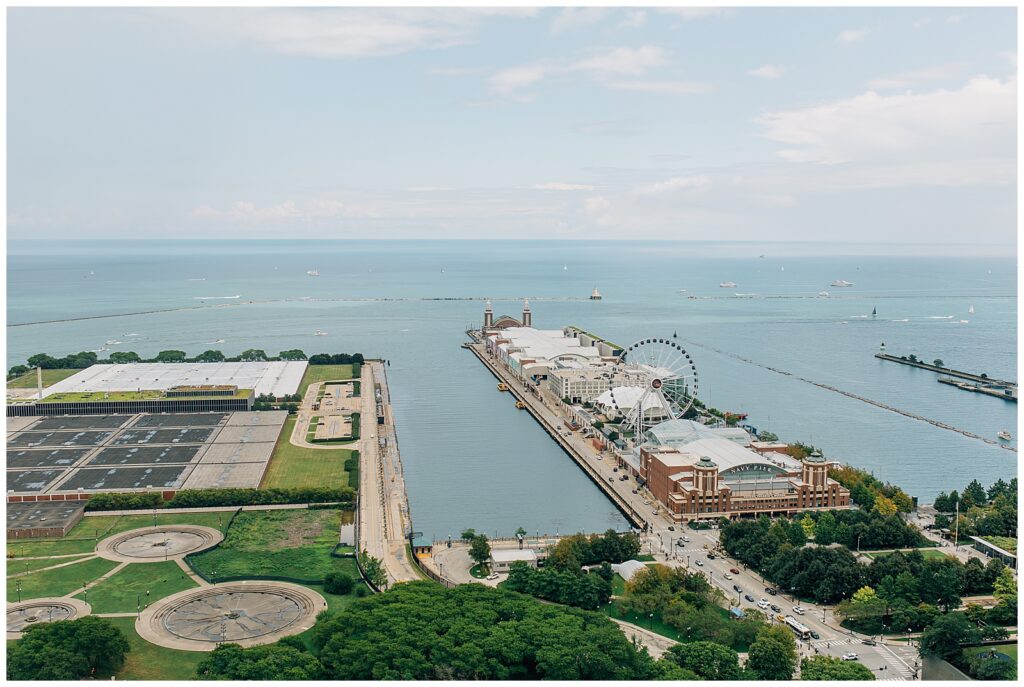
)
(655, 381)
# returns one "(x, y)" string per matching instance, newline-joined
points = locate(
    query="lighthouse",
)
(488, 316)
(527, 315)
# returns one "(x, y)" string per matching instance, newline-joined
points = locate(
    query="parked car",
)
(727, 576)
(771, 590)
(680, 541)
(799, 610)
(711, 556)
(671, 528)
(492, 576)
(734, 571)
(685, 538)
(849, 656)
(615, 469)
(749, 598)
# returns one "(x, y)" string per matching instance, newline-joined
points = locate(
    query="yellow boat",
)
(502, 386)
(520, 405)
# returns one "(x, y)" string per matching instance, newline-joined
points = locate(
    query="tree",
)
(912, 358)
(1005, 585)
(807, 523)
(884, 506)
(825, 529)
(521, 536)
(42, 360)
(708, 660)
(170, 357)
(67, 650)
(974, 495)
(772, 656)
(472, 632)
(17, 371)
(992, 666)
(768, 436)
(374, 570)
(480, 549)
(338, 583)
(253, 355)
(292, 354)
(865, 608)
(123, 357)
(946, 635)
(210, 356)
(467, 535)
(998, 488)
(270, 662)
(832, 668)
(937, 362)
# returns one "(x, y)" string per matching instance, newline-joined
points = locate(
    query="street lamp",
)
(652, 622)
(18, 585)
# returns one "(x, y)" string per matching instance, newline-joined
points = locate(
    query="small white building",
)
(627, 569)
(502, 559)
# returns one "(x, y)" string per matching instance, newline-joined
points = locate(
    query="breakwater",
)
(981, 378)
(848, 394)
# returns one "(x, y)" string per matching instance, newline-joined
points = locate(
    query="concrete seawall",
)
(532, 406)
(944, 370)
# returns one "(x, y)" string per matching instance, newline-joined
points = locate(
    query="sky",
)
(798, 124)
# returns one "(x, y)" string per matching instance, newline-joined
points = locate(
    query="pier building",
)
(699, 472)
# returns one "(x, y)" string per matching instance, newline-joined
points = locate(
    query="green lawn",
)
(298, 466)
(83, 536)
(59, 581)
(148, 661)
(323, 373)
(653, 624)
(120, 593)
(1010, 649)
(15, 566)
(50, 377)
(618, 585)
(1005, 543)
(288, 543)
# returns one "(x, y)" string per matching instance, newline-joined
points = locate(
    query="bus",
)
(798, 628)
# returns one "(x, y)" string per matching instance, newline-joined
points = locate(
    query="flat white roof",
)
(277, 378)
(545, 343)
(513, 555)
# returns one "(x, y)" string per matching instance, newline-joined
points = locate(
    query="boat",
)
(114, 342)
(502, 386)
(727, 285)
(970, 310)
(782, 269)
(595, 295)
(565, 267)
(823, 294)
(842, 283)
(520, 405)
(313, 272)
(319, 333)
(216, 341)
(1004, 435)
(682, 290)
(874, 311)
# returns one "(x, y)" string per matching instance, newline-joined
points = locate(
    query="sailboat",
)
(313, 272)
(874, 311)
(970, 310)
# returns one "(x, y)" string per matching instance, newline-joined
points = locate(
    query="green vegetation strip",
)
(323, 373)
(294, 544)
(1008, 649)
(17, 566)
(299, 466)
(138, 583)
(927, 553)
(59, 581)
(50, 377)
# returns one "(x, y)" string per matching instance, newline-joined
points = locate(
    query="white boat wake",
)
(214, 298)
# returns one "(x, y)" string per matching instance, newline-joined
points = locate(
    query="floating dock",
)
(999, 390)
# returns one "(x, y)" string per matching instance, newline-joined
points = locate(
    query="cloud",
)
(596, 204)
(338, 32)
(572, 18)
(691, 13)
(944, 137)
(634, 19)
(608, 67)
(768, 71)
(920, 23)
(682, 183)
(563, 186)
(852, 36)
(631, 61)
(953, 19)
(430, 189)
(943, 72)
(666, 87)
(508, 81)
(612, 127)
(245, 211)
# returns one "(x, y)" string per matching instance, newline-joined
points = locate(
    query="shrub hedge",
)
(199, 498)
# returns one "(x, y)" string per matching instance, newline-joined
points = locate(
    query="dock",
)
(551, 423)
(999, 390)
(982, 384)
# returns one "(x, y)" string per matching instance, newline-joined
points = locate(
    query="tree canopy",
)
(270, 662)
(67, 650)
(832, 668)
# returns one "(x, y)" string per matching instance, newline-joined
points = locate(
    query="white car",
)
(799, 610)
(699, 563)
(492, 576)
(686, 539)
(728, 576)
(762, 604)
(850, 656)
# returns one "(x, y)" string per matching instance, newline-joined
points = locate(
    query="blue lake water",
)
(471, 459)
